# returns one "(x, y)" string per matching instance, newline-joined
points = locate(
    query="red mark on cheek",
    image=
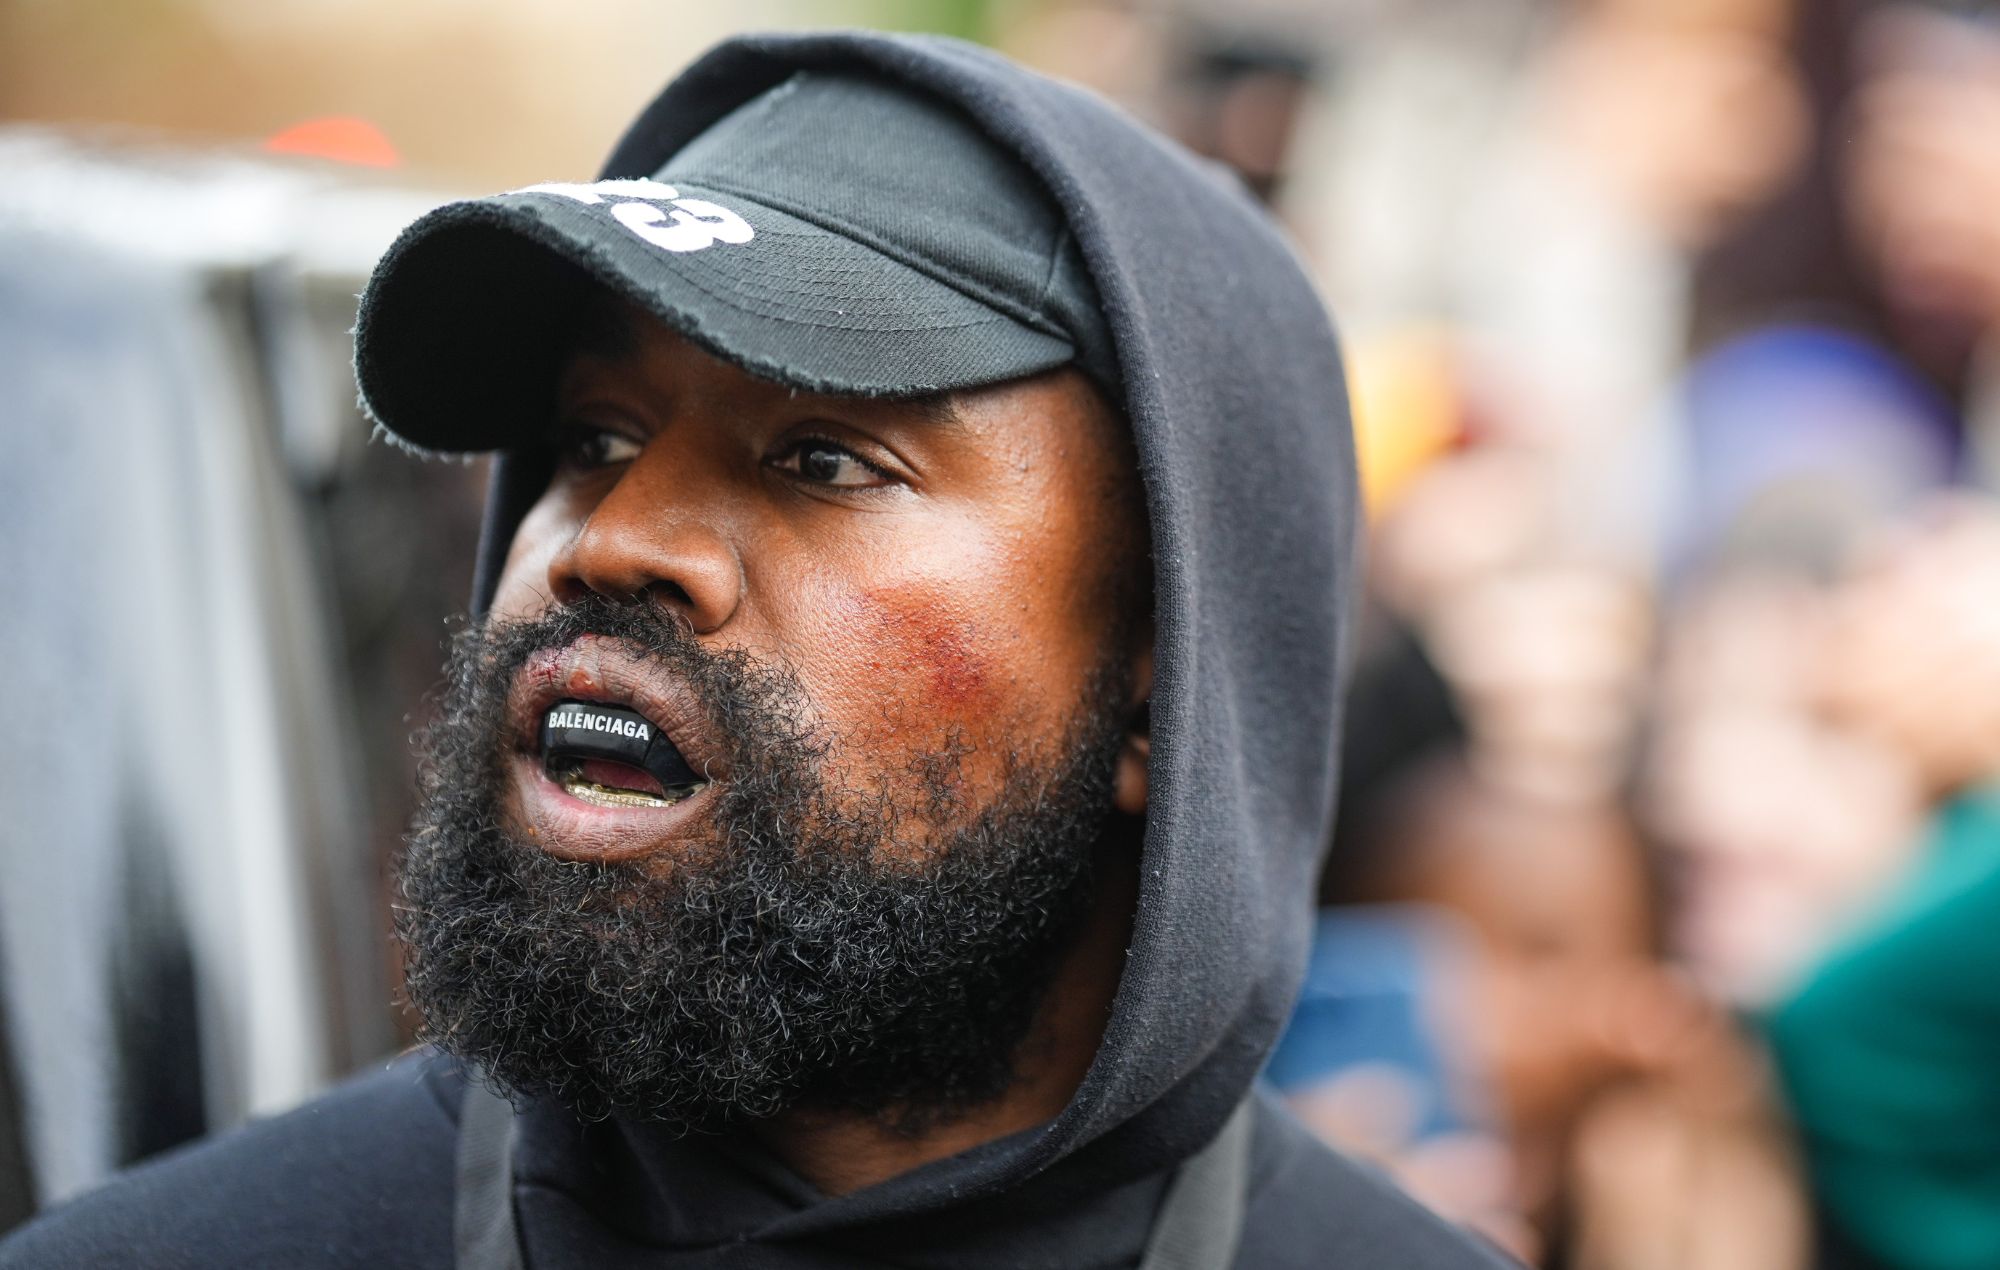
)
(929, 635)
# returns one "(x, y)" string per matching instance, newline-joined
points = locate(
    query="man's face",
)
(952, 569)
(905, 643)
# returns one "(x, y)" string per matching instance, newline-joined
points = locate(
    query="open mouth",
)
(612, 756)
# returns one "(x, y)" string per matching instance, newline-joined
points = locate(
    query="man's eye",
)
(585, 446)
(824, 463)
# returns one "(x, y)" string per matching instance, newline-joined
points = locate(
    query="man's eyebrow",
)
(937, 408)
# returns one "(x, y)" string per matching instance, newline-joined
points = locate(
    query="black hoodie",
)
(1234, 390)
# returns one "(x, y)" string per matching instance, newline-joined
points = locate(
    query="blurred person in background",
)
(1799, 443)
(1508, 198)
(1777, 826)
(1888, 1047)
(1236, 98)
(1874, 235)
(1624, 1121)
(845, 841)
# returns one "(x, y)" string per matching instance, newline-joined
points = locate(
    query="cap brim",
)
(465, 321)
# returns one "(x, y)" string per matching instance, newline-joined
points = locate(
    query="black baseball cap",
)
(838, 233)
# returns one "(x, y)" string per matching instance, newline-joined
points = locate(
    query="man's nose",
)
(662, 532)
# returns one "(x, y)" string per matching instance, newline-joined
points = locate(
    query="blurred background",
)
(1662, 925)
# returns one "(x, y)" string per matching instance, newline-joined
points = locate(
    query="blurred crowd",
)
(1662, 925)
(1661, 921)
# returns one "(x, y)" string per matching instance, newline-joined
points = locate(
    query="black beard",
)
(798, 964)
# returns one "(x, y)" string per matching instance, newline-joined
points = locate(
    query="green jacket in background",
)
(1891, 1057)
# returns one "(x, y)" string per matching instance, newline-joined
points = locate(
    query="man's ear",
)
(1129, 789)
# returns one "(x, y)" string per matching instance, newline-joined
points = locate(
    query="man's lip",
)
(571, 829)
(596, 668)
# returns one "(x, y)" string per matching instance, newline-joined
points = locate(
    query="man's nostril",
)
(672, 594)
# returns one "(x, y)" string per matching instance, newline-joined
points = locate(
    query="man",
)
(873, 821)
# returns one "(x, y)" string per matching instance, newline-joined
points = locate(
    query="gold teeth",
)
(609, 796)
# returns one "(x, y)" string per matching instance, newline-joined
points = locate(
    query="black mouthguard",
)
(578, 730)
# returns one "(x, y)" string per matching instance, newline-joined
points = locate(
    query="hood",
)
(1234, 392)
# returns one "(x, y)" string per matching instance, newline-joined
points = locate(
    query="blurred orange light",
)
(1406, 408)
(342, 138)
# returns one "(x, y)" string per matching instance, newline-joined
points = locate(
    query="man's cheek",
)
(905, 669)
(939, 651)
(522, 593)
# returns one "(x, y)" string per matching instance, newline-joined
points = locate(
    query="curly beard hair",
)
(800, 962)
